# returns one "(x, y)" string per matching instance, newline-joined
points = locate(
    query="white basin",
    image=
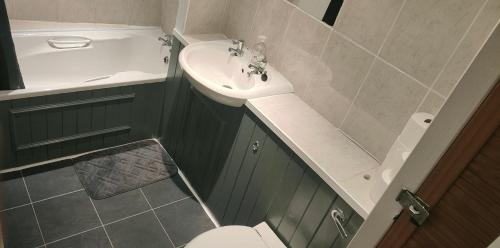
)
(223, 78)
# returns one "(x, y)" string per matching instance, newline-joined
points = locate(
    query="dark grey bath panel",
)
(263, 180)
(46, 127)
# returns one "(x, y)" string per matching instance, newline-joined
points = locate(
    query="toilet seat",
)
(229, 237)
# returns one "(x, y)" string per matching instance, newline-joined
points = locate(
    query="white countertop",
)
(334, 157)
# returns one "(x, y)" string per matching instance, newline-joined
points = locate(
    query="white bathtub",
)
(88, 58)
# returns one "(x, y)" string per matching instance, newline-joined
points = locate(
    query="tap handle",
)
(239, 43)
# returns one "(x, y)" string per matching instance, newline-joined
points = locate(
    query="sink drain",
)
(227, 86)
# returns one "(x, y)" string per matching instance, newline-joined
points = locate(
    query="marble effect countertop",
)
(324, 148)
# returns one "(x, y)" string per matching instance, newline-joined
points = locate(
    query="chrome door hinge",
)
(418, 209)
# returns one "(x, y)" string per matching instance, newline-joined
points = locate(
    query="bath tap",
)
(167, 41)
(238, 51)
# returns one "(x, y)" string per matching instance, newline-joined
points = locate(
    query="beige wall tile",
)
(347, 66)
(329, 102)
(306, 33)
(426, 33)
(76, 10)
(432, 103)
(205, 16)
(470, 46)
(146, 12)
(385, 103)
(271, 20)
(113, 11)
(135, 12)
(367, 21)
(369, 133)
(46, 10)
(348, 63)
(302, 69)
(298, 55)
(240, 16)
(169, 15)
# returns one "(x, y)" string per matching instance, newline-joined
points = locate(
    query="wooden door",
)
(463, 190)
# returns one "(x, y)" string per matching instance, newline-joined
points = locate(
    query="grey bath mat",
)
(121, 169)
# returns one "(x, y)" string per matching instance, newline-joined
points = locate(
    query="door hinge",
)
(418, 209)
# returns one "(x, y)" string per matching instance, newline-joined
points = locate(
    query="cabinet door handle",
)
(339, 219)
(255, 146)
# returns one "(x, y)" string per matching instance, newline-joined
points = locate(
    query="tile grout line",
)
(33, 208)
(73, 235)
(42, 200)
(16, 207)
(156, 216)
(373, 62)
(455, 50)
(56, 196)
(100, 220)
(126, 218)
(176, 201)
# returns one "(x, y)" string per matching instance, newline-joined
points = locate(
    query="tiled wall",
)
(169, 15)
(133, 12)
(205, 16)
(382, 61)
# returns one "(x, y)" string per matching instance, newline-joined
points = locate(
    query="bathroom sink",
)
(223, 78)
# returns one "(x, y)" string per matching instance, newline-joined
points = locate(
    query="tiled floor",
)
(48, 207)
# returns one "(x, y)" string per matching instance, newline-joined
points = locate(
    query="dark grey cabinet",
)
(263, 180)
(199, 132)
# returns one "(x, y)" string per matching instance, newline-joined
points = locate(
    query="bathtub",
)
(87, 57)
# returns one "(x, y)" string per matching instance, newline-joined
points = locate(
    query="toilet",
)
(260, 236)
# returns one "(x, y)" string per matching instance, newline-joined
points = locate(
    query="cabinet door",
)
(205, 132)
(248, 166)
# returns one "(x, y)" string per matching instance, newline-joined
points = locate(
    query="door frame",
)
(475, 85)
(469, 142)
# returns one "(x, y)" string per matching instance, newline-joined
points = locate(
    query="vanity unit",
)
(247, 171)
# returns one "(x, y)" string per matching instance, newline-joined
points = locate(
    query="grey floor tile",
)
(139, 231)
(66, 215)
(12, 190)
(20, 228)
(92, 239)
(51, 180)
(121, 206)
(166, 191)
(184, 220)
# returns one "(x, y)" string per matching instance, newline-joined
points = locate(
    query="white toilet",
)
(260, 236)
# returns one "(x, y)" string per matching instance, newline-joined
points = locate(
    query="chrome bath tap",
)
(167, 41)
